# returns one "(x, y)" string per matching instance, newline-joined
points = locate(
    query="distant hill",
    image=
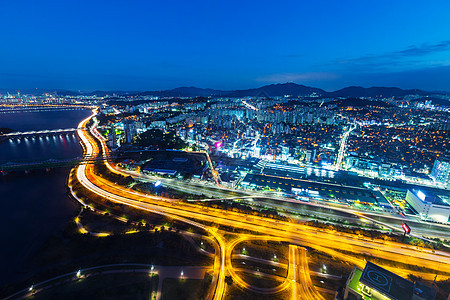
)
(122, 103)
(272, 90)
(276, 90)
(26, 91)
(294, 90)
(4, 130)
(281, 89)
(374, 92)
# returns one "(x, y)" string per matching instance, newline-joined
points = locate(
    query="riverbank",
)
(35, 204)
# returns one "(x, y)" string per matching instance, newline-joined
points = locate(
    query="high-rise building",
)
(191, 135)
(284, 152)
(310, 155)
(112, 137)
(130, 131)
(441, 170)
(257, 152)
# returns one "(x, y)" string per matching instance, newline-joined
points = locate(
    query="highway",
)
(189, 272)
(90, 148)
(421, 229)
(270, 199)
(342, 147)
(234, 219)
(302, 287)
(298, 234)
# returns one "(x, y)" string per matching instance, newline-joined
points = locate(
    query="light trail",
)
(249, 105)
(307, 283)
(293, 272)
(342, 147)
(81, 174)
(214, 173)
(236, 278)
(309, 234)
(279, 230)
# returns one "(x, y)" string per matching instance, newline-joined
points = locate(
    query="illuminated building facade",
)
(130, 131)
(441, 171)
(428, 206)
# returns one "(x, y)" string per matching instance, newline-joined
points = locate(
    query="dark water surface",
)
(34, 205)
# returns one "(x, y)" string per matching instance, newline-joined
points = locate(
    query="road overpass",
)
(332, 243)
(48, 164)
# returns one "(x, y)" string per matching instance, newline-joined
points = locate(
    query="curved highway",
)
(295, 233)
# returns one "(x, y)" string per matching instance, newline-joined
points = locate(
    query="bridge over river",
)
(48, 164)
(37, 132)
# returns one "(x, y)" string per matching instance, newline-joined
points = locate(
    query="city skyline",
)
(157, 46)
(225, 150)
(279, 196)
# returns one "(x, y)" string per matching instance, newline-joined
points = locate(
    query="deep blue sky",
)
(227, 44)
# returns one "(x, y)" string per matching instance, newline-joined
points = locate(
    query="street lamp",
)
(151, 271)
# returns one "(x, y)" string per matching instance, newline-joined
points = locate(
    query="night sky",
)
(227, 44)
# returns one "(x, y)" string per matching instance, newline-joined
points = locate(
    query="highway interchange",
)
(209, 219)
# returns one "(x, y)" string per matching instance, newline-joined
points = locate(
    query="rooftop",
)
(354, 283)
(426, 196)
(386, 283)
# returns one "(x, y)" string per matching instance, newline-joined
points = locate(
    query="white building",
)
(284, 153)
(310, 155)
(429, 206)
(257, 152)
(158, 124)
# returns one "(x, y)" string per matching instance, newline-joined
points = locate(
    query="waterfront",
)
(34, 205)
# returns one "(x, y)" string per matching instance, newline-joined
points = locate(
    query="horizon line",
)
(202, 88)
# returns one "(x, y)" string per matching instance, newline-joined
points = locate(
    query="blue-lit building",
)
(441, 171)
(130, 131)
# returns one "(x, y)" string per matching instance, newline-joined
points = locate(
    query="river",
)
(34, 205)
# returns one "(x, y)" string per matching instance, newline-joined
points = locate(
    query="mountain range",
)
(292, 89)
(272, 90)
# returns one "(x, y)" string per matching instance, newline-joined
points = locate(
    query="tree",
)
(229, 280)
(159, 139)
